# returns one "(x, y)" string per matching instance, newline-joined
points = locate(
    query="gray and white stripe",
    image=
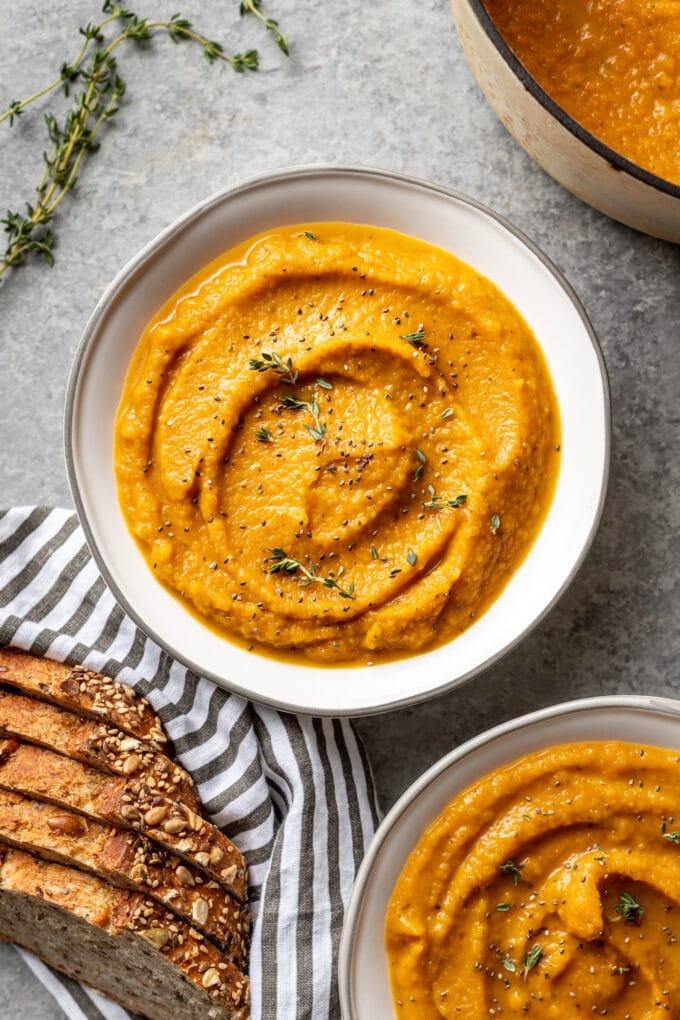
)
(294, 793)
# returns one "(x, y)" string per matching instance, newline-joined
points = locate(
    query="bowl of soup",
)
(338, 439)
(591, 91)
(533, 871)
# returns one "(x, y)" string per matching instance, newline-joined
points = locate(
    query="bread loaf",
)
(120, 943)
(108, 871)
(99, 744)
(83, 692)
(127, 860)
(126, 803)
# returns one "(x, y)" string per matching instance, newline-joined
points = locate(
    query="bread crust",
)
(131, 803)
(127, 860)
(98, 744)
(52, 890)
(83, 692)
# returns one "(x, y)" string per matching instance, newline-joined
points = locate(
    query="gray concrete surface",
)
(386, 84)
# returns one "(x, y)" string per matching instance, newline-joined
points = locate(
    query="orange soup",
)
(614, 65)
(337, 440)
(549, 889)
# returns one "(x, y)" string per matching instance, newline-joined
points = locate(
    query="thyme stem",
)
(95, 68)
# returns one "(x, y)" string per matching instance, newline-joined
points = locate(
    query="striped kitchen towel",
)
(294, 793)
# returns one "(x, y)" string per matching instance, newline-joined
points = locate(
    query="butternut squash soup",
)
(613, 65)
(337, 441)
(549, 889)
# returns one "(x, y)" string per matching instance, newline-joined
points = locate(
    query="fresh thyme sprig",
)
(283, 563)
(436, 502)
(276, 363)
(253, 7)
(94, 77)
(318, 430)
(629, 909)
(515, 870)
(263, 435)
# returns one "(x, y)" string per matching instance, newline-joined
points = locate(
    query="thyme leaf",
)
(530, 959)
(263, 435)
(416, 339)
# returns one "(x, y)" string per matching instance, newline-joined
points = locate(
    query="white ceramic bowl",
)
(443, 218)
(572, 155)
(363, 973)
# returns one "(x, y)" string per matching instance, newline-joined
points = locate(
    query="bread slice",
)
(83, 692)
(120, 943)
(126, 860)
(132, 803)
(99, 744)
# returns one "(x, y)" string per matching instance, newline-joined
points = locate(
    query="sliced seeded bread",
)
(96, 743)
(127, 860)
(133, 803)
(119, 942)
(83, 692)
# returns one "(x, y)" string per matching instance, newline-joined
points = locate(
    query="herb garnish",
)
(447, 413)
(98, 87)
(436, 502)
(672, 837)
(502, 907)
(509, 964)
(318, 430)
(629, 909)
(253, 7)
(374, 552)
(495, 523)
(421, 467)
(530, 959)
(415, 339)
(510, 868)
(282, 563)
(310, 236)
(276, 363)
(621, 970)
(324, 384)
(411, 558)
(264, 435)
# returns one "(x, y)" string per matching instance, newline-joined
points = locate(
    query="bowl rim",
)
(614, 158)
(155, 249)
(647, 703)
